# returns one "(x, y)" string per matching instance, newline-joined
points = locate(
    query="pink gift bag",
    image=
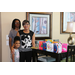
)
(41, 45)
(64, 47)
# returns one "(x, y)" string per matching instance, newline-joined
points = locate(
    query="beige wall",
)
(56, 29)
(6, 20)
(0, 40)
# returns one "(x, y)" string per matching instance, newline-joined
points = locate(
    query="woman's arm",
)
(10, 42)
(33, 40)
(13, 55)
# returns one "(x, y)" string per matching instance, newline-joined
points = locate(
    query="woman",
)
(16, 25)
(27, 41)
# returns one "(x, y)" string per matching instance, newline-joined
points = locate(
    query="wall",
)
(6, 20)
(0, 40)
(56, 29)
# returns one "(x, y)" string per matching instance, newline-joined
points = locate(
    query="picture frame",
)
(64, 18)
(40, 24)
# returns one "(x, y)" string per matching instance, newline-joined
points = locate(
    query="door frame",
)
(0, 40)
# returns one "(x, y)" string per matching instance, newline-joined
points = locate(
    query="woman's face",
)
(17, 24)
(26, 26)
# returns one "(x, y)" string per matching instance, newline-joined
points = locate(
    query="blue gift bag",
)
(55, 48)
(44, 46)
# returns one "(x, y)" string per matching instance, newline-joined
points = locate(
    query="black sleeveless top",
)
(26, 40)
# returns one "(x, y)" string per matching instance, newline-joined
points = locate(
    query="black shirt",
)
(26, 40)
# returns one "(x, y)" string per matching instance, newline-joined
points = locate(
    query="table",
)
(58, 56)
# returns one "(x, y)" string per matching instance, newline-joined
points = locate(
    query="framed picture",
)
(40, 24)
(64, 18)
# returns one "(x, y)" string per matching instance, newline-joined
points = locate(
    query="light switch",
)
(7, 43)
(7, 37)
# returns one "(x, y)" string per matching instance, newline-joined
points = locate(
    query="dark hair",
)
(25, 21)
(13, 23)
(16, 38)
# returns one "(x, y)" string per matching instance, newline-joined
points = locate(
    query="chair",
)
(70, 52)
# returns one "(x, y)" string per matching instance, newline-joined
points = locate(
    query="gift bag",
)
(55, 42)
(50, 47)
(44, 46)
(41, 45)
(48, 40)
(59, 47)
(64, 47)
(37, 43)
(55, 48)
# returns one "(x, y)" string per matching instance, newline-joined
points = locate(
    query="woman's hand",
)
(12, 49)
(12, 52)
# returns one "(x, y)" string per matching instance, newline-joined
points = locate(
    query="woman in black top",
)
(27, 41)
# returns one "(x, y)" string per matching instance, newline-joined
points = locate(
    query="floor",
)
(69, 60)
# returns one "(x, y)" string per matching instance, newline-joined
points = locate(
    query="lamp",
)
(70, 28)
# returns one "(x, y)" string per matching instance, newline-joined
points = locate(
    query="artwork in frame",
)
(40, 24)
(64, 18)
